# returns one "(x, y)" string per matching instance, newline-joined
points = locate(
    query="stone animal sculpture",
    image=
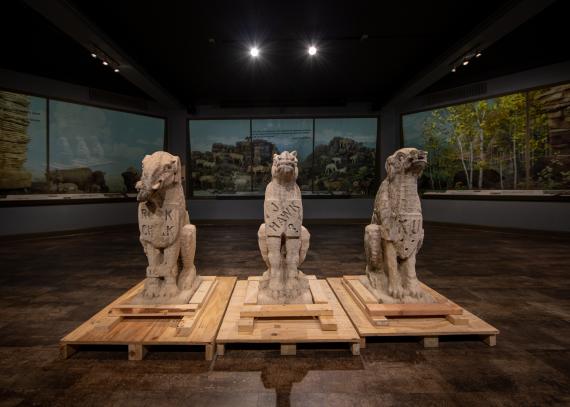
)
(395, 234)
(283, 241)
(165, 232)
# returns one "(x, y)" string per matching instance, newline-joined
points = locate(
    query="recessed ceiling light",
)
(94, 55)
(116, 69)
(465, 62)
(254, 52)
(105, 63)
(453, 69)
(312, 50)
(478, 54)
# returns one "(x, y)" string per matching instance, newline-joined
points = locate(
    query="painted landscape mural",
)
(517, 142)
(336, 156)
(91, 150)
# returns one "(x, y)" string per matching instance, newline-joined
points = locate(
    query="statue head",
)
(284, 167)
(409, 160)
(160, 171)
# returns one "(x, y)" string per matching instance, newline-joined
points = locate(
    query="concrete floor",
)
(518, 282)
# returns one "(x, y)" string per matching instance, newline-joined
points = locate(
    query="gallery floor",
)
(517, 281)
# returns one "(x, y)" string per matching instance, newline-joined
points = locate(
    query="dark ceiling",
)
(171, 41)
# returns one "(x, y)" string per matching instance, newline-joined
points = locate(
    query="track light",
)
(116, 70)
(94, 55)
(254, 52)
(454, 69)
(105, 63)
(466, 62)
(312, 50)
(478, 54)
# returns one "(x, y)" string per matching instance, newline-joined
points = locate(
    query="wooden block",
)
(328, 323)
(319, 296)
(137, 351)
(355, 349)
(245, 325)
(490, 340)
(311, 277)
(457, 319)
(106, 323)
(288, 349)
(185, 326)
(411, 310)
(362, 292)
(158, 310)
(379, 321)
(430, 341)
(363, 342)
(209, 351)
(287, 310)
(251, 293)
(221, 349)
(202, 292)
(65, 350)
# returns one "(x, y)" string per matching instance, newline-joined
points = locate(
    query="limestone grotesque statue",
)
(283, 241)
(395, 234)
(165, 232)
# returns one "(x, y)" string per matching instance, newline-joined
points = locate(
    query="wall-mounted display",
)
(336, 156)
(75, 151)
(518, 142)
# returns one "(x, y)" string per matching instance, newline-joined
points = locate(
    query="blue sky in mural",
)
(362, 130)
(36, 158)
(204, 133)
(101, 139)
(286, 134)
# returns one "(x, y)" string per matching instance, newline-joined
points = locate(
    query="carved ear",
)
(275, 156)
(294, 153)
(390, 168)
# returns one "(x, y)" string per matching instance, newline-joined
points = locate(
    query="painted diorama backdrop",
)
(91, 150)
(519, 142)
(234, 157)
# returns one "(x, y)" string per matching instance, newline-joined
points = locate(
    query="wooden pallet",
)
(427, 321)
(138, 327)
(324, 321)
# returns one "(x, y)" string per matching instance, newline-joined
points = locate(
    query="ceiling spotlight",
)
(465, 62)
(453, 69)
(116, 69)
(478, 54)
(312, 50)
(94, 55)
(254, 52)
(105, 63)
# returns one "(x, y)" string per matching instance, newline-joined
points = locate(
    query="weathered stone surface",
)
(395, 233)
(283, 241)
(165, 232)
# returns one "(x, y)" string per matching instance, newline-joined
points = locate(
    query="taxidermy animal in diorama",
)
(283, 240)
(395, 234)
(165, 232)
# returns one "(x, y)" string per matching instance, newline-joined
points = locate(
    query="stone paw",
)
(396, 291)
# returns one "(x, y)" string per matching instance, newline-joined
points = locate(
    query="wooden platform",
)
(138, 327)
(322, 322)
(427, 321)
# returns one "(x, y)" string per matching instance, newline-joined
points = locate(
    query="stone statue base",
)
(162, 294)
(293, 291)
(383, 297)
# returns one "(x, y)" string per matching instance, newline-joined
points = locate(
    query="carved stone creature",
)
(165, 232)
(283, 241)
(395, 233)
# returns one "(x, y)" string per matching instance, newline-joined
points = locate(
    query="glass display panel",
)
(518, 143)
(95, 150)
(345, 156)
(221, 157)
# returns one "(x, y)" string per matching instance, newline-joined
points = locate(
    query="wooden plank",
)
(457, 319)
(202, 292)
(374, 320)
(319, 296)
(185, 326)
(288, 349)
(363, 294)
(410, 310)
(418, 326)
(106, 323)
(286, 310)
(284, 330)
(379, 320)
(328, 323)
(252, 291)
(246, 325)
(137, 351)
